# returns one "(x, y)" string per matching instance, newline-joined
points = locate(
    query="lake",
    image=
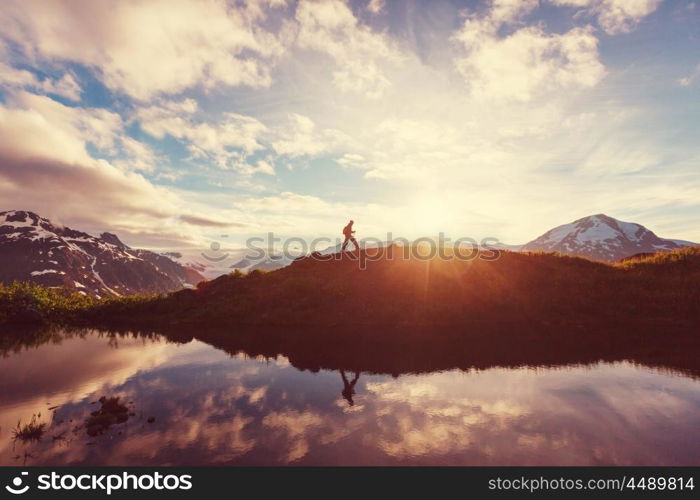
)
(190, 403)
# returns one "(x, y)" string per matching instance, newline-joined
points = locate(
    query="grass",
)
(31, 431)
(688, 256)
(32, 304)
(516, 288)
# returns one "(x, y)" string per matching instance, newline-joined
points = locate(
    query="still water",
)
(192, 404)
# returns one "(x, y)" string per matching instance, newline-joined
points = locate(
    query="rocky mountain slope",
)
(33, 248)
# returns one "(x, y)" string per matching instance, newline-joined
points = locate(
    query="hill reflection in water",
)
(216, 400)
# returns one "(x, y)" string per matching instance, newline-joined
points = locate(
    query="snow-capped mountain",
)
(214, 263)
(266, 263)
(603, 238)
(32, 248)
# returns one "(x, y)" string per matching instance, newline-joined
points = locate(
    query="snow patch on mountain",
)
(601, 237)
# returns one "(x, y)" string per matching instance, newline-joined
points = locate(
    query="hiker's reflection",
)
(349, 386)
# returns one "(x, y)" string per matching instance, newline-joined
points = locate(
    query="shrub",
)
(32, 303)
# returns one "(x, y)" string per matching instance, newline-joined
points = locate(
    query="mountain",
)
(33, 248)
(212, 264)
(600, 237)
(269, 262)
(397, 296)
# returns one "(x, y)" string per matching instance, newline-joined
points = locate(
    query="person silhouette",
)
(349, 387)
(348, 233)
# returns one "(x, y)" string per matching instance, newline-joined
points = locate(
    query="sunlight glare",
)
(430, 215)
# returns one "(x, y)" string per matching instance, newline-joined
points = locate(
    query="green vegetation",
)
(688, 256)
(33, 304)
(517, 288)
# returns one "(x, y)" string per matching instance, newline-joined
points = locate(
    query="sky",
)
(175, 123)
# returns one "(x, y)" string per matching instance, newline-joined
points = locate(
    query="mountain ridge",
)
(28, 238)
(400, 293)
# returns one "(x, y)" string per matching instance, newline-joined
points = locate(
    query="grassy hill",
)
(396, 292)
(401, 293)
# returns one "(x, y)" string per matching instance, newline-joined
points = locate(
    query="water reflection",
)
(186, 402)
(349, 387)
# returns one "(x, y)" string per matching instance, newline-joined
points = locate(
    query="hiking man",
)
(348, 233)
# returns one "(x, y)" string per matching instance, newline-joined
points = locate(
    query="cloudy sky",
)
(173, 122)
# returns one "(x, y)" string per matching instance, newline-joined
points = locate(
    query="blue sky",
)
(171, 123)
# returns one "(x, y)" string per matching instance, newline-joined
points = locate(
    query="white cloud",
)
(53, 161)
(690, 79)
(303, 215)
(143, 48)
(45, 166)
(528, 62)
(66, 86)
(506, 11)
(265, 167)
(615, 16)
(79, 126)
(226, 142)
(138, 156)
(286, 202)
(360, 54)
(15, 78)
(621, 16)
(230, 141)
(376, 6)
(411, 150)
(302, 138)
(352, 160)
